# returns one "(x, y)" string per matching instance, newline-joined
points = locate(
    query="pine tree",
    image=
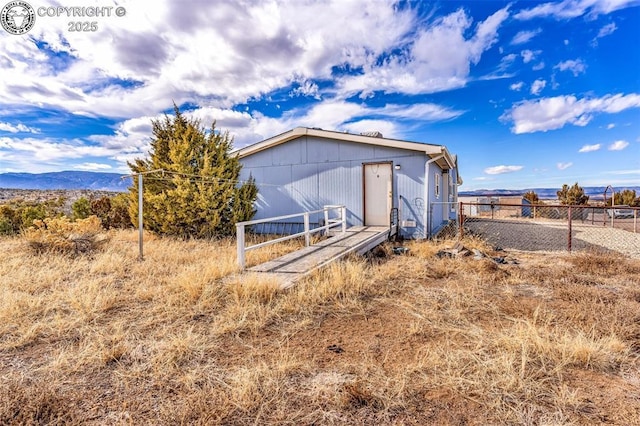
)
(198, 194)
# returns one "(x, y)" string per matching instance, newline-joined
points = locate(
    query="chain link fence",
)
(546, 227)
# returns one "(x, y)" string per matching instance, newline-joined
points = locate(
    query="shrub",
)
(572, 195)
(29, 214)
(10, 221)
(112, 211)
(81, 208)
(63, 236)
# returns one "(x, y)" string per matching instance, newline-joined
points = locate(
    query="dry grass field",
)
(103, 338)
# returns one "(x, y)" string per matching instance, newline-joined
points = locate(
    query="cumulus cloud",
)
(517, 86)
(525, 36)
(225, 54)
(564, 166)
(568, 9)
(537, 86)
(576, 66)
(590, 148)
(438, 59)
(610, 126)
(554, 113)
(497, 170)
(618, 145)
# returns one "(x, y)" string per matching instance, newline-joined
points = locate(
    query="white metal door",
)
(377, 194)
(445, 196)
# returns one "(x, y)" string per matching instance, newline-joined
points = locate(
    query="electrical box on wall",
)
(408, 224)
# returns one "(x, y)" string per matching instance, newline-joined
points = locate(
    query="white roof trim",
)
(428, 149)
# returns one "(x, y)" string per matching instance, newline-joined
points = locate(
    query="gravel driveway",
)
(536, 235)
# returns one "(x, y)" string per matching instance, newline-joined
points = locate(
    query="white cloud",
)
(607, 30)
(439, 58)
(507, 61)
(610, 126)
(497, 170)
(576, 66)
(538, 67)
(529, 55)
(17, 128)
(568, 9)
(517, 86)
(553, 113)
(618, 145)
(590, 148)
(537, 86)
(564, 166)
(525, 36)
(307, 88)
(224, 54)
(92, 166)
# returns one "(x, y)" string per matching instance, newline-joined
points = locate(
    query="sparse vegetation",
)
(412, 339)
(19, 214)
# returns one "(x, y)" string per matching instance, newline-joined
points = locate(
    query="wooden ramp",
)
(293, 266)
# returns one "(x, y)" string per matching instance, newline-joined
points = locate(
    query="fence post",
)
(306, 229)
(569, 233)
(461, 221)
(140, 218)
(343, 217)
(240, 244)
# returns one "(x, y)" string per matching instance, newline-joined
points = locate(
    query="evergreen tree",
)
(573, 196)
(198, 195)
(626, 197)
(531, 196)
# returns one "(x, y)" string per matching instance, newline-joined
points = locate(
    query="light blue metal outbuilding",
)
(306, 169)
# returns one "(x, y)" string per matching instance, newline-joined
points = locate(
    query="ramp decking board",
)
(293, 266)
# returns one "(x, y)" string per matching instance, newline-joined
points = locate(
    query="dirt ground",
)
(416, 339)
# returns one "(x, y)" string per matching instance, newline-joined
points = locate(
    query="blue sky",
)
(527, 94)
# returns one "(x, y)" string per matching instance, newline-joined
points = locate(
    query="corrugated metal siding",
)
(309, 173)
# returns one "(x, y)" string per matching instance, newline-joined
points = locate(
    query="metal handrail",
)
(328, 224)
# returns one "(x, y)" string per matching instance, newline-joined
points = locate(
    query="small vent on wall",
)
(373, 134)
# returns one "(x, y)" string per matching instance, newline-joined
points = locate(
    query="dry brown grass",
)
(179, 338)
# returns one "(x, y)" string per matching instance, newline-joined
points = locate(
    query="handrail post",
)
(343, 217)
(240, 243)
(307, 241)
(326, 220)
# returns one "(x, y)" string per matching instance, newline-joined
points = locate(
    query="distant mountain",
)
(66, 180)
(594, 192)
